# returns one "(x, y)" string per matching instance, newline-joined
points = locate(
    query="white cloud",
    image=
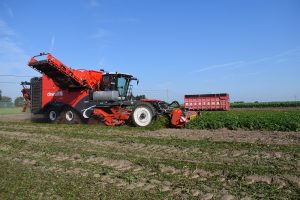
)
(277, 58)
(123, 20)
(13, 61)
(130, 20)
(7, 46)
(5, 30)
(282, 55)
(100, 33)
(9, 11)
(12, 55)
(52, 43)
(93, 4)
(226, 65)
(101, 62)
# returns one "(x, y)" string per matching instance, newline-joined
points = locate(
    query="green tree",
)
(19, 101)
(139, 97)
(6, 99)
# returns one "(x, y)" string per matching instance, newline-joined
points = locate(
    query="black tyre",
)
(52, 115)
(70, 116)
(142, 114)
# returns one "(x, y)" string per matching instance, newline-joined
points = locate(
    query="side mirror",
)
(137, 82)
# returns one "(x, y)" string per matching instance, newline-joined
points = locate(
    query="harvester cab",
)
(117, 82)
(74, 96)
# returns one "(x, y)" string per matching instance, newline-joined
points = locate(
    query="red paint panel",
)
(207, 102)
(52, 93)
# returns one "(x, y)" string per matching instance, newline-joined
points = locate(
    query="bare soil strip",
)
(193, 155)
(262, 137)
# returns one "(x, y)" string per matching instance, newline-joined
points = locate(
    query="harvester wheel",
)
(52, 115)
(142, 114)
(70, 116)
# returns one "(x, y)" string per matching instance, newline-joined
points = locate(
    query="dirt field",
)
(22, 117)
(50, 161)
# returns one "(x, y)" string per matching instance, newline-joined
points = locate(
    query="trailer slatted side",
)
(200, 102)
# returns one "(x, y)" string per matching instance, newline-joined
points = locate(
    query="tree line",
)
(17, 101)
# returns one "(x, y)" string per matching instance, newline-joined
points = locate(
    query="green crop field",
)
(280, 104)
(240, 154)
(249, 120)
(57, 161)
(10, 110)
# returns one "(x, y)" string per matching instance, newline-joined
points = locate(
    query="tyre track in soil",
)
(143, 184)
(152, 185)
(159, 152)
(146, 183)
(258, 137)
(121, 165)
(246, 136)
(155, 151)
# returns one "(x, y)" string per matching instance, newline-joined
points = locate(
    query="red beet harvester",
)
(72, 96)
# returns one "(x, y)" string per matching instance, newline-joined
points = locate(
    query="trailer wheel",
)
(142, 114)
(70, 116)
(52, 115)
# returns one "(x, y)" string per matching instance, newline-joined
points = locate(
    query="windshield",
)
(122, 86)
(117, 82)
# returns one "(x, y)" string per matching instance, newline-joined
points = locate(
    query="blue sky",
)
(250, 49)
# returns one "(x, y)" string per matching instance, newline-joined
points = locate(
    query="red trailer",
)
(200, 102)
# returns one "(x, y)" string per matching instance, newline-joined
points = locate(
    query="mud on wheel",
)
(70, 116)
(142, 114)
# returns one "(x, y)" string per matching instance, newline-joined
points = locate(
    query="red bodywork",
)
(52, 93)
(178, 120)
(118, 117)
(76, 85)
(86, 78)
(207, 102)
(55, 74)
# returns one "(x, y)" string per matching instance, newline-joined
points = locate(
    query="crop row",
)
(249, 120)
(266, 104)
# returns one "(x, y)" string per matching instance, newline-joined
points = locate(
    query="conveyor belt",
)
(62, 75)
